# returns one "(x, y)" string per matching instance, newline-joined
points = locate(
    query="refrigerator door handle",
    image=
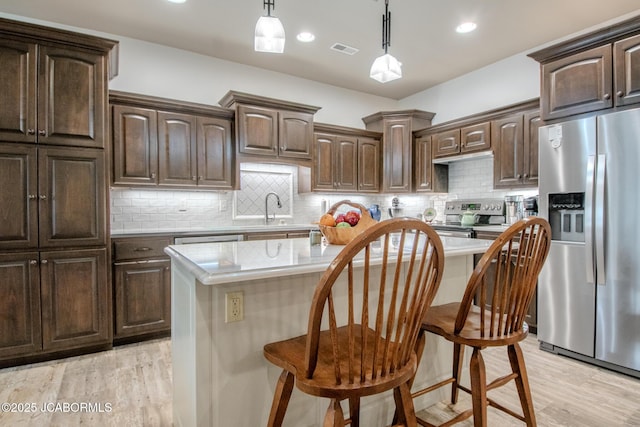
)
(599, 220)
(588, 219)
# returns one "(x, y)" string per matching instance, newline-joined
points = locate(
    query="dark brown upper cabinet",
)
(428, 177)
(166, 143)
(397, 145)
(345, 160)
(593, 72)
(516, 154)
(53, 86)
(468, 139)
(271, 128)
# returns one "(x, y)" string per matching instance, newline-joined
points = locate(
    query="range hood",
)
(463, 157)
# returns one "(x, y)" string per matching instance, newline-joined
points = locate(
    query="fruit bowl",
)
(343, 235)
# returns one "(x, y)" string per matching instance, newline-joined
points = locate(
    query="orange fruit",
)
(328, 220)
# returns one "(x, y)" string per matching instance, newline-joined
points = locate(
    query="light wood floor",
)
(135, 380)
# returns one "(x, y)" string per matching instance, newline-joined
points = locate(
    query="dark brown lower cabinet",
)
(53, 301)
(142, 297)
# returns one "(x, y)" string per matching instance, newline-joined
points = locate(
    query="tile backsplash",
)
(177, 210)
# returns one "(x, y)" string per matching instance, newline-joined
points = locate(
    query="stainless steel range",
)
(485, 211)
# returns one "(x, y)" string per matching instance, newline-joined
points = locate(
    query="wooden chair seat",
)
(365, 342)
(441, 320)
(289, 355)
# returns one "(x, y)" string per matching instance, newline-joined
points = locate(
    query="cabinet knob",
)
(199, 177)
(153, 174)
(620, 94)
(42, 132)
(526, 175)
(427, 183)
(193, 178)
(32, 196)
(607, 96)
(31, 131)
(43, 197)
(518, 176)
(33, 261)
(44, 261)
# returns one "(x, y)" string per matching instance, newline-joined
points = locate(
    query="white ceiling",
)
(422, 32)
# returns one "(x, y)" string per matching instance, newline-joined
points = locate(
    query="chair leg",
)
(281, 399)
(522, 383)
(354, 411)
(334, 416)
(478, 389)
(405, 412)
(458, 354)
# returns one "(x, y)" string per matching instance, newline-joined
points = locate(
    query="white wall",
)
(502, 83)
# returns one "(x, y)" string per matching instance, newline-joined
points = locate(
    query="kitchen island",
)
(220, 377)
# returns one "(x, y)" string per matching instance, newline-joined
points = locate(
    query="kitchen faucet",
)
(266, 207)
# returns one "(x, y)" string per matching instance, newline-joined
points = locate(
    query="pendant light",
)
(386, 68)
(269, 36)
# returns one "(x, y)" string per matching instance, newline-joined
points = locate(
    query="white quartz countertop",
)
(498, 228)
(223, 229)
(226, 262)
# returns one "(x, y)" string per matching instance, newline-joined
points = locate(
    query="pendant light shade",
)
(386, 67)
(269, 35)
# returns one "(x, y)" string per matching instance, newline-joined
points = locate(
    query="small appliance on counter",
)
(395, 210)
(513, 206)
(530, 206)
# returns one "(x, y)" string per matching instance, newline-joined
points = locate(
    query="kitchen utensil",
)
(468, 219)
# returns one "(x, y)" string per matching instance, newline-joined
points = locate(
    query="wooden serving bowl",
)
(343, 235)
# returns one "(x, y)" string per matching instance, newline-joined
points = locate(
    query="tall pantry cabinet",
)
(54, 278)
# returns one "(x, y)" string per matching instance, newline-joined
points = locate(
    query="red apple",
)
(352, 217)
(340, 218)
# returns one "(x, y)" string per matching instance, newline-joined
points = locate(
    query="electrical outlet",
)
(234, 307)
(223, 205)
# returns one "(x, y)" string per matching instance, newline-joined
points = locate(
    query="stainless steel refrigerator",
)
(589, 288)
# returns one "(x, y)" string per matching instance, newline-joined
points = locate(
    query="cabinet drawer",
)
(151, 247)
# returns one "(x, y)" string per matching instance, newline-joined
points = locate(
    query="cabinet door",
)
(475, 138)
(508, 134)
(72, 92)
(177, 161)
(215, 153)
(295, 134)
(20, 332)
(135, 146)
(76, 299)
(368, 165)
(18, 196)
(577, 84)
(423, 168)
(323, 168)
(397, 156)
(143, 297)
(17, 91)
(446, 143)
(626, 68)
(532, 123)
(257, 131)
(346, 163)
(72, 205)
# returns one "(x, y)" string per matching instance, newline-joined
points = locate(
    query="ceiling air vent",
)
(343, 48)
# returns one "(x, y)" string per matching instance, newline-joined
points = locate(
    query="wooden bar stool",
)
(368, 346)
(492, 313)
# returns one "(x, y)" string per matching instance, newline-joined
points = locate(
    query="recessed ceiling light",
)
(306, 37)
(466, 27)
(177, 1)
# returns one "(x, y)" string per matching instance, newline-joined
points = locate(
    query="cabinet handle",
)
(33, 262)
(43, 197)
(44, 261)
(32, 196)
(31, 131)
(142, 249)
(42, 132)
(620, 93)
(607, 96)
